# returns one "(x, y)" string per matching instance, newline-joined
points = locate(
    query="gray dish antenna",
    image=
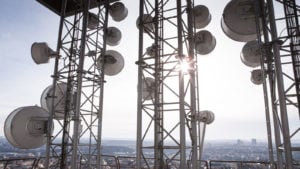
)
(205, 42)
(257, 76)
(202, 16)
(205, 116)
(238, 21)
(41, 52)
(113, 62)
(250, 54)
(118, 11)
(93, 21)
(148, 23)
(114, 36)
(25, 127)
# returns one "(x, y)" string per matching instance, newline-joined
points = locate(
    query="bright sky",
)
(225, 86)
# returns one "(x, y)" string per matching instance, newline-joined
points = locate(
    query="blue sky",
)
(225, 86)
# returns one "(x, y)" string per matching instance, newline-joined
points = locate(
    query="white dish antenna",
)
(114, 36)
(25, 127)
(148, 86)
(205, 42)
(148, 23)
(238, 21)
(202, 16)
(250, 54)
(257, 76)
(59, 100)
(118, 11)
(40, 52)
(113, 62)
(205, 116)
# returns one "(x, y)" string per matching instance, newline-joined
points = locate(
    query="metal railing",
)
(126, 162)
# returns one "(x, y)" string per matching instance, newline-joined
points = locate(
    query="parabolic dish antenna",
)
(250, 54)
(118, 11)
(257, 76)
(114, 36)
(238, 21)
(148, 23)
(202, 16)
(148, 88)
(205, 42)
(40, 52)
(25, 127)
(206, 116)
(59, 100)
(113, 62)
(93, 21)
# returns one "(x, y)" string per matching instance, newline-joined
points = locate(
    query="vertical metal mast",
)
(76, 140)
(166, 93)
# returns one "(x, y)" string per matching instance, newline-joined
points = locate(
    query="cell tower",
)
(277, 54)
(71, 113)
(168, 114)
(283, 73)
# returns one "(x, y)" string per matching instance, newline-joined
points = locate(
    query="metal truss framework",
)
(280, 63)
(76, 139)
(168, 102)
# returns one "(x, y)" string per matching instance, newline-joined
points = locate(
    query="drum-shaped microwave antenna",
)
(118, 11)
(205, 116)
(114, 36)
(250, 54)
(113, 62)
(238, 21)
(148, 23)
(40, 52)
(59, 100)
(148, 88)
(151, 50)
(25, 127)
(205, 42)
(93, 21)
(202, 16)
(257, 76)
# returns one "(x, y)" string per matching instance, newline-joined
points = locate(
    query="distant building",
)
(253, 141)
(239, 142)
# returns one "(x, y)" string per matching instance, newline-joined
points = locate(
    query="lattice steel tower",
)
(279, 73)
(75, 100)
(168, 111)
(281, 51)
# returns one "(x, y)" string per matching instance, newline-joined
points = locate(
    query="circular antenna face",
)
(148, 88)
(148, 23)
(40, 52)
(250, 54)
(202, 16)
(151, 50)
(93, 21)
(118, 11)
(25, 127)
(205, 42)
(113, 63)
(114, 36)
(257, 76)
(59, 100)
(206, 116)
(238, 21)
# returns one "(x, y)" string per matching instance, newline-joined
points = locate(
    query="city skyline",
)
(224, 81)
